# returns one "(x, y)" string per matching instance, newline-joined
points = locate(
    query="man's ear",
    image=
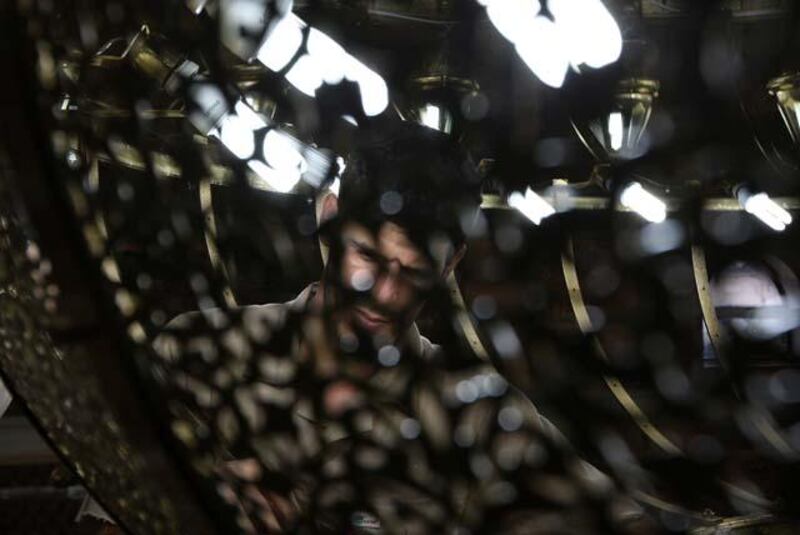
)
(454, 260)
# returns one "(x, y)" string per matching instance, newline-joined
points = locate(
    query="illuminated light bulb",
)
(512, 18)
(248, 116)
(542, 50)
(236, 135)
(374, 93)
(282, 43)
(305, 75)
(280, 180)
(615, 130)
(768, 211)
(280, 152)
(531, 205)
(329, 57)
(591, 35)
(644, 203)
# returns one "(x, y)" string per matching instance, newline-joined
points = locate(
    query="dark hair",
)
(414, 176)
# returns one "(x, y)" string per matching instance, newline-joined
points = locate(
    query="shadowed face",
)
(388, 278)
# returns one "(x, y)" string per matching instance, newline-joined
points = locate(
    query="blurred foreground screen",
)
(406, 267)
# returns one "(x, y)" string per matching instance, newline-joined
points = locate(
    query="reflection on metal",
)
(617, 388)
(786, 90)
(710, 319)
(210, 234)
(619, 135)
(464, 319)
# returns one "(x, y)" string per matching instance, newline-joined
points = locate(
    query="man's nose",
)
(387, 286)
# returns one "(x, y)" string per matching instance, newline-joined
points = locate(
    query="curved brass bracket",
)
(615, 385)
(464, 319)
(210, 234)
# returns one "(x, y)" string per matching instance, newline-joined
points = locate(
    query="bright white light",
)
(282, 43)
(615, 130)
(280, 152)
(305, 75)
(249, 117)
(512, 18)
(374, 93)
(542, 49)
(583, 33)
(429, 116)
(768, 211)
(329, 57)
(280, 180)
(591, 34)
(237, 136)
(325, 61)
(335, 185)
(644, 203)
(531, 205)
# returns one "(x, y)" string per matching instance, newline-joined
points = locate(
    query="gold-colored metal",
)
(210, 234)
(786, 90)
(615, 385)
(710, 319)
(464, 319)
(436, 81)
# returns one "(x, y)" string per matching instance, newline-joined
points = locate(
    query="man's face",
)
(388, 277)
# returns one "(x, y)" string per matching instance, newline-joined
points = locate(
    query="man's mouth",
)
(370, 320)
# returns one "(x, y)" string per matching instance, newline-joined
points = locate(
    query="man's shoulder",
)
(257, 322)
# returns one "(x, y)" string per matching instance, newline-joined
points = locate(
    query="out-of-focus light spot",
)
(658, 238)
(410, 428)
(391, 203)
(531, 205)
(550, 152)
(362, 280)
(602, 280)
(466, 391)
(508, 238)
(484, 307)
(615, 130)
(474, 106)
(505, 341)
(73, 159)
(509, 418)
(388, 355)
(672, 383)
(350, 119)
(768, 211)
(644, 203)
(785, 386)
